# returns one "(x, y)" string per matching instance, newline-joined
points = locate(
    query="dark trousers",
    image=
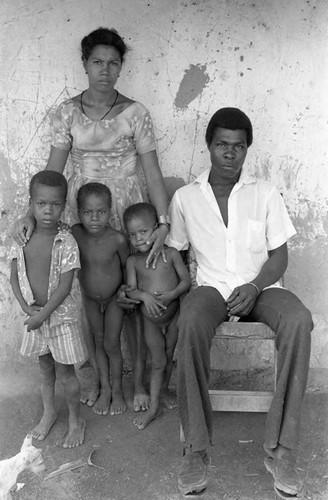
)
(202, 310)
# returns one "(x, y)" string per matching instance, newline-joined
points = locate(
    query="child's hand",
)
(123, 300)
(165, 297)
(34, 322)
(153, 305)
(32, 310)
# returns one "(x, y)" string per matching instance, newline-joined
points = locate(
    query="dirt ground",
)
(143, 465)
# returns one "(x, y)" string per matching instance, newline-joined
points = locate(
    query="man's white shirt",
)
(229, 256)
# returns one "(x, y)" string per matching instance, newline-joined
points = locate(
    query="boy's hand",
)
(153, 305)
(32, 310)
(164, 297)
(34, 322)
(123, 300)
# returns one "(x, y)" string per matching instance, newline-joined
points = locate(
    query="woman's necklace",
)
(112, 105)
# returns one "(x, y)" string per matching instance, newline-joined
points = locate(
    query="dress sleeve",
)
(142, 126)
(71, 256)
(61, 137)
(279, 227)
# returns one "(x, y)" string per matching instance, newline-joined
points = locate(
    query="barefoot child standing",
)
(103, 251)
(43, 279)
(158, 290)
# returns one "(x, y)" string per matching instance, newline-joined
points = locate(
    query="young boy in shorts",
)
(158, 290)
(44, 281)
(103, 252)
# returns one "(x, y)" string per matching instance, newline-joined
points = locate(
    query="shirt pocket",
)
(256, 241)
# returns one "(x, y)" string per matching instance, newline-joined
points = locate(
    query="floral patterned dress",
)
(105, 151)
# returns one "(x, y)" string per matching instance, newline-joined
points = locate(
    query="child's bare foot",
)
(118, 405)
(101, 406)
(42, 429)
(169, 399)
(75, 435)
(141, 421)
(141, 401)
(89, 398)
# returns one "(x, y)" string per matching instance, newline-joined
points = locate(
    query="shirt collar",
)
(245, 178)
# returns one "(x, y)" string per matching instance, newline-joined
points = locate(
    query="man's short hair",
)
(93, 188)
(48, 178)
(139, 210)
(232, 119)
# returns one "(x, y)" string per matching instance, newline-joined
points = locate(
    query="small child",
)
(158, 290)
(43, 279)
(103, 252)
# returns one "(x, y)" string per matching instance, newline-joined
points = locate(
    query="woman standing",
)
(106, 133)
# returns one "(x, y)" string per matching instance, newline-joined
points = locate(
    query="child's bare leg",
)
(91, 396)
(169, 399)
(48, 379)
(76, 424)
(138, 353)
(96, 322)
(112, 344)
(156, 344)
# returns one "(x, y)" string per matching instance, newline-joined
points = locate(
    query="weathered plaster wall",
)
(187, 59)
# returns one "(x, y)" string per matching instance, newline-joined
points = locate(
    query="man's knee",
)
(302, 318)
(190, 320)
(297, 328)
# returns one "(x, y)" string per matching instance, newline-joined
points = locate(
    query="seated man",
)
(238, 227)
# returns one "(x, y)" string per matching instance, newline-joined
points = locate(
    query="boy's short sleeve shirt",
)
(65, 257)
(229, 256)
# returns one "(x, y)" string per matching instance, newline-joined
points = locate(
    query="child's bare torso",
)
(161, 279)
(101, 270)
(37, 253)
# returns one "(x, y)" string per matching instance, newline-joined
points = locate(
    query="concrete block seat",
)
(245, 401)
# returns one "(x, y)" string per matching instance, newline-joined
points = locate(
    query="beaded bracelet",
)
(255, 286)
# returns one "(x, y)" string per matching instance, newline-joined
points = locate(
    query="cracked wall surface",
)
(186, 60)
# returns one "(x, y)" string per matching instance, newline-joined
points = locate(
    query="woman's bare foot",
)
(89, 398)
(75, 435)
(101, 406)
(41, 430)
(141, 421)
(169, 399)
(118, 405)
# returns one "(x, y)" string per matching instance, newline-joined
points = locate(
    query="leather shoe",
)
(192, 476)
(286, 479)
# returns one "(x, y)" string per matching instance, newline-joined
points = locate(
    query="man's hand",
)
(242, 300)
(124, 301)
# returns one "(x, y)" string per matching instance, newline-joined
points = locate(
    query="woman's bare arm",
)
(158, 197)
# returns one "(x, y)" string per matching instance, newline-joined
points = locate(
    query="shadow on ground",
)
(143, 465)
